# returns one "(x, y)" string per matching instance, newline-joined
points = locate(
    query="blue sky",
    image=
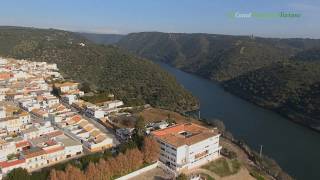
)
(190, 16)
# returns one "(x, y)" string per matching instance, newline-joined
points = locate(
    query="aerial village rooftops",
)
(54, 149)
(39, 112)
(53, 134)
(95, 133)
(89, 127)
(13, 118)
(23, 144)
(41, 141)
(184, 134)
(33, 152)
(11, 163)
(5, 76)
(29, 130)
(99, 138)
(66, 141)
(74, 120)
(83, 123)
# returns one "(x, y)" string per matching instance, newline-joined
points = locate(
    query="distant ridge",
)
(278, 74)
(103, 38)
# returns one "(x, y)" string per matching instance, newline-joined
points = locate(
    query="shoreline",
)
(294, 119)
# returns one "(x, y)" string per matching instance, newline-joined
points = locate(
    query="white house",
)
(188, 145)
(7, 166)
(2, 112)
(69, 98)
(51, 100)
(6, 148)
(72, 147)
(95, 112)
(54, 153)
(66, 86)
(35, 158)
(112, 104)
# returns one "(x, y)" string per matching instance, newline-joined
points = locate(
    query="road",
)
(108, 131)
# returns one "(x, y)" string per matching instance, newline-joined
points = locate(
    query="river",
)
(294, 147)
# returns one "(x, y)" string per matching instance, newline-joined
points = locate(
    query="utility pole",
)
(260, 150)
(199, 113)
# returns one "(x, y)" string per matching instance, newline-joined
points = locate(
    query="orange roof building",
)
(185, 146)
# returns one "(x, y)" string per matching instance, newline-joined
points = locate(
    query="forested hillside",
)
(218, 57)
(104, 69)
(103, 38)
(279, 74)
(291, 89)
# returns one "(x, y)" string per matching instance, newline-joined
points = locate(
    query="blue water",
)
(294, 147)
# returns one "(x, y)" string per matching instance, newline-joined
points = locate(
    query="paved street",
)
(108, 131)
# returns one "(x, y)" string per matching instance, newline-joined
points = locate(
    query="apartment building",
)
(185, 146)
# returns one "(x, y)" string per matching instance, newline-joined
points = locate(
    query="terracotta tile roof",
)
(100, 138)
(61, 107)
(53, 150)
(54, 133)
(33, 152)
(4, 76)
(88, 128)
(39, 112)
(23, 144)
(24, 113)
(51, 142)
(6, 164)
(184, 134)
(75, 119)
(83, 123)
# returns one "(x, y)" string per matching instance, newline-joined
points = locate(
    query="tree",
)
(182, 177)
(140, 126)
(73, 173)
(91, 172)
(123, 164)
(104, 170)
(219, 124)
(150, 149)
(18, 174)
(135, 159)
(123, 147)
(53, 175)
(86, 87)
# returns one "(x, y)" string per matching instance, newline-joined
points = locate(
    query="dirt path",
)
(205, 171)
(243, 174)
(242, 156)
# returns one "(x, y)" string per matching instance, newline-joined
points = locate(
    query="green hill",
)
(106, 39)
(103, 68)
(291, 89)
(279, 74)
(217, 57)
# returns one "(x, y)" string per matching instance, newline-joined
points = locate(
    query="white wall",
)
(138, 172)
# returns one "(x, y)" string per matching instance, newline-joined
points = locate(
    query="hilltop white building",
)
(186, 146)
